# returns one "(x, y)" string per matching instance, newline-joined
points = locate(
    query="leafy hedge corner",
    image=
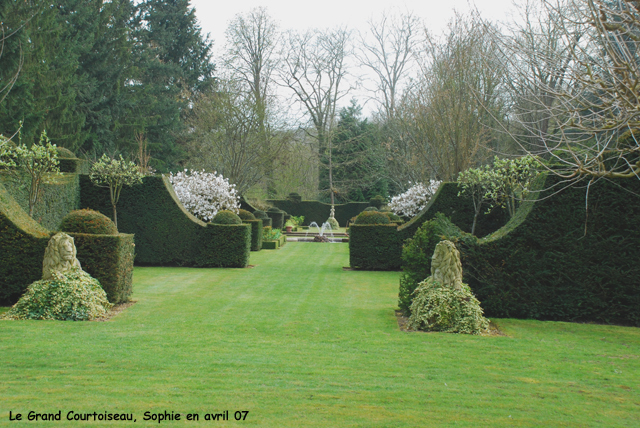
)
(109, 259)
(375, 247)
(69, 296)
(225, 245)
(256, 233)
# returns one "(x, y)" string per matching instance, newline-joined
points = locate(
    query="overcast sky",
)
(214, 17)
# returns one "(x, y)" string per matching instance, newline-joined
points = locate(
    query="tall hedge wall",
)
(446, 200)
(109, 259)
(318, 211)
(256, 233)
(224, 245)
(374, 247)
(552, 261)
(165, 232)
(22, 244)
(60, 195)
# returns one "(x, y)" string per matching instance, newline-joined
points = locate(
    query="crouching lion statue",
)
(60, 255)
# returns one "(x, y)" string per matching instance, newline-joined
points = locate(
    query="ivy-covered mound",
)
(443, 302)
(437, 307)
(70, 296)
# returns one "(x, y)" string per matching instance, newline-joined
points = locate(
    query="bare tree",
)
(387, 50)
(314, 68)
(446, 119)
(597, 110)
(252, 40)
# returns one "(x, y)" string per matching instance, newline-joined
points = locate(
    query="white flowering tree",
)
(203, 194)
(415, 199)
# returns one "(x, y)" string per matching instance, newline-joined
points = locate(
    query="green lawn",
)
(299, 342)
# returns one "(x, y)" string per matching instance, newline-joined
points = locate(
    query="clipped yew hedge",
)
(446, 200)
(60, 194)
(166, 233)
(22, 243)
(109, 259)
(553, 262)
(374, 247)
(256, 233)
(319, 211)
(224, 245)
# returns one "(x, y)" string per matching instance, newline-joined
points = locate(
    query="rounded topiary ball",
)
(393, 217)
(65, 153)
(246, 215)
(372, 217)
(333, 223)
(259, 214)
(226, 217)
(88, 221)
(371, 209)
(273, 210)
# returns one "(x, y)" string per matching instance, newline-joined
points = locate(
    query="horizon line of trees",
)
(276, 113)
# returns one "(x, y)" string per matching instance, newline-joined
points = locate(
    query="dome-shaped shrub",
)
(273, 210)
(372, 217)
(333, 223)
(259, 214)
(393, 217)
(377, 201)
(371, 209)
(226, 217)
(65, 153)
(246, 215)
(88, 221)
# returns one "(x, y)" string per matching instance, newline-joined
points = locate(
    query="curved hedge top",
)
(88, 221)
(246, 215)
(372, 217)
(260, 214)
(226, 217)
(65, 153)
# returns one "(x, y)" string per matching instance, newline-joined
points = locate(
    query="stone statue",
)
(60, 255)
(445, 265)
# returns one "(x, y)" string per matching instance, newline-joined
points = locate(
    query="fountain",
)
(320, 237)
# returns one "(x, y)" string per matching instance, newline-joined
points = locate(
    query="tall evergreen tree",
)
(173, 68)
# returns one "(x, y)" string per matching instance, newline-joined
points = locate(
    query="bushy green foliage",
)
(37, 161)
(333, 223)
(441, 308)
(371, 209)
(377, 201)
(88, 221)
(246, 215)
(114, 174)
(393, 217)
(271, 234)
(416, 256)
(166, 233)
(226, 217)
(372, 217)
(69, 296)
